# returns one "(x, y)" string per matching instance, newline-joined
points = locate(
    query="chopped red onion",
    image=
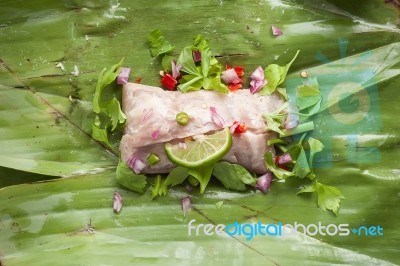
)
(186, 205)
(257, 80)
(147, 113)
(196, 56)
(230, 76)
(189, 188)
(155, 134)
(264, 182)
(234, 126)
(292, 120)
(276, 31)
(123, 76)
(136, 164)
(117, 203)
(283, 159)
(175, 69)
(216, 118)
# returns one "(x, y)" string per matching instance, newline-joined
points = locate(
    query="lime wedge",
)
(202, 150)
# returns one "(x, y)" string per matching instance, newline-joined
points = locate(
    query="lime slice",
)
(202, 150)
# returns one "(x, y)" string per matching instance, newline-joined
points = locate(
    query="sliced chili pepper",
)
(169, 82)
(138, 80)
(239, 71)
(241, 128)
(235, 87)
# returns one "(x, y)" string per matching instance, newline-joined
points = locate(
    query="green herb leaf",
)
(328, 197)
(166, 62)
(105, 78)
(309, 97)
(101, 135)
(301, 168)
(186, 60)
(202, 174)
(193, 83)
(276, 119)
(275, 75)
(278, 172)
(200, 43)
(176, 176)
(158, 188)
(233, 176)
(130, 180)
(205, 61)
(215, 84)
(115, 113)
(158, 44)
(315, 147)
(110, 110)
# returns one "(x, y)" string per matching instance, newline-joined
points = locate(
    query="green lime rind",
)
(204, 150)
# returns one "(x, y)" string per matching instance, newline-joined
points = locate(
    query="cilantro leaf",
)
(215, 84)
(328, 197)
(113, 109)
(176, 176)
(205, 61)
(200, 43)
(233, 176)
(186, 60)
(202, 174)
(127, 178)
(101, 135)
(109, 110)
(158, 44)
(190, 83)
(315, 147)
(301, 168)
(276, 119)
(309, 97)
(106, 77)
(275, 75)
(158, 189)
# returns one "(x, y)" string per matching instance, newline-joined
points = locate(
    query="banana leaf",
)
(58, 183)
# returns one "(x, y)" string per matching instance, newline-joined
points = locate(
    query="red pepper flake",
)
(138, 80)
(169, 82)
(239, 128)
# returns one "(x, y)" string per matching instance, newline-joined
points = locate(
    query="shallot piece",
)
(186, 205)
(176, 69)
(155, 134)
(283, 159)
(264, 182)
(257, 80)
(136, 164)
(230, 76)
(216, 118)
(117, 203)
(123, 76)
(196, 56)
(276, 31)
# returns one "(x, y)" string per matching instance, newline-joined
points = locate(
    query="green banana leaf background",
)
(57, 183)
